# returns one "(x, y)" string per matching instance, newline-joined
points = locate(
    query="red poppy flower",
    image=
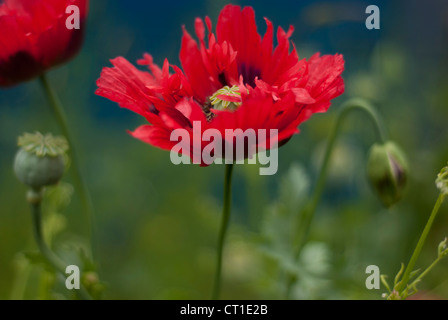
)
(34, 37)
(235, 80)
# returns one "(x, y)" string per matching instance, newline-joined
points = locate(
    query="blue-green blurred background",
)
(156, 224)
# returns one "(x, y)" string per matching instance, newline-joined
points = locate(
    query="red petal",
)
(34, 37)
(229, 97)
(238, 27)
(325, 81)
(156, 136)
(302, 96)
(148, 60)
(200, 29)
(127, 86)
(201, 81)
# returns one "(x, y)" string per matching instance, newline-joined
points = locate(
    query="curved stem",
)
(424, 273)
(421, 242)
(58, 111)
(52, 259)
(306, 216)
(223, 231)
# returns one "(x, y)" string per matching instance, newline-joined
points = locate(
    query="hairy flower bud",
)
(442, 181)
(442, 249)
(387, 171)
(40, 160)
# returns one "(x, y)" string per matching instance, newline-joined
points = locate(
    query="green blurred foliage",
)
(156, 224)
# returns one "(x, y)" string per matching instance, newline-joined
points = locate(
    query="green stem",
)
(424, 273)
(53, 260)
(224, 226)
(421, 242)
(80, 186)
(306, 216)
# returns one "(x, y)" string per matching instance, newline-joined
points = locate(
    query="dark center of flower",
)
(249, 73)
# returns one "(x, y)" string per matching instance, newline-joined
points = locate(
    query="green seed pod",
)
(387, 171)
(40, 160)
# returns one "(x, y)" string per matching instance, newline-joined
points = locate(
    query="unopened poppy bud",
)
(90, 279)
(40, 160)
(442, 181)
(387, 171)
(442, 250)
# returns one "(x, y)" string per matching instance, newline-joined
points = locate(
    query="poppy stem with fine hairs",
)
(306, 216)
(80, 186)
(227, 203)
(410, 267)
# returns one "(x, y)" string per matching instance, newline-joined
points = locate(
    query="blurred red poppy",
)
(235, 81)
(34, 37)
